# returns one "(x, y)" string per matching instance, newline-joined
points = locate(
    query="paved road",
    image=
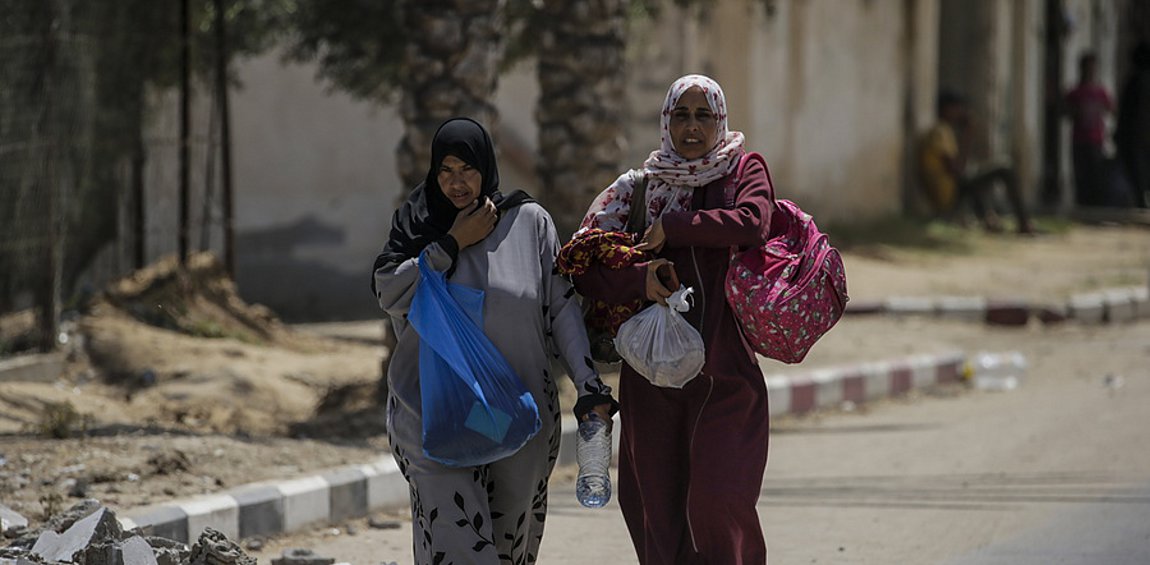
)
(1056, 472)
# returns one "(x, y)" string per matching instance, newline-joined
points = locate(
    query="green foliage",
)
(358, 44)
(74, 99)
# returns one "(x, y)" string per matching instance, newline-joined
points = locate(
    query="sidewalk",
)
(352, 491)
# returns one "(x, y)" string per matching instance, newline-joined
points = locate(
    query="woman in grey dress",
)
(505, 246)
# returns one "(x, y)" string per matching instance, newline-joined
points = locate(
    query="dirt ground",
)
(175, 387)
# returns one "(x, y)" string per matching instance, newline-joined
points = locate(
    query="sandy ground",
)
(163, 412)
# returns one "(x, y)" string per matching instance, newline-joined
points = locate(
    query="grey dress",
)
(494, 513)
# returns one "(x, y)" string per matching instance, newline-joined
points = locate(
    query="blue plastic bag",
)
(475, 408)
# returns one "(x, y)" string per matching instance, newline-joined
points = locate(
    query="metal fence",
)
(110, 137)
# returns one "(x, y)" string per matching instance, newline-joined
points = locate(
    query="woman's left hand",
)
(603, 411)
(654, 239)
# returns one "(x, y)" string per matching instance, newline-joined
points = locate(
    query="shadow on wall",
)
(270, 271)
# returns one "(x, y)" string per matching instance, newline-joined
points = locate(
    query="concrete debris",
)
(89, 533)
(98, 527)
(168, 551)
(298, 556)
(382, 524)
(10, 519)
(214, 548)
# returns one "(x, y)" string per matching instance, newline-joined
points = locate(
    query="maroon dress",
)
(691, 460)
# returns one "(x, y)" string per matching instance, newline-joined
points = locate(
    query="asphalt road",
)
(1057, 472)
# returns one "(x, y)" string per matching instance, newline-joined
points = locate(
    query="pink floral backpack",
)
(792, 290)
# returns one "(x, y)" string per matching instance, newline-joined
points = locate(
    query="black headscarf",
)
(428, 214)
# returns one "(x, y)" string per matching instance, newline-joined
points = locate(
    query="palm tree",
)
(449, 68)
(581, 102)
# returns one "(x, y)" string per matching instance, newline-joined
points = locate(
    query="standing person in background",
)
(1132, 134)
(504, 245)
(950, 181)
(691, 460)
(1087, 105)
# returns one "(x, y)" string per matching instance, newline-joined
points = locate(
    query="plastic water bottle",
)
(998, 371)
(593, 451)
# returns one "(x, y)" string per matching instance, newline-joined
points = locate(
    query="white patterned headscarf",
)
(671, 179)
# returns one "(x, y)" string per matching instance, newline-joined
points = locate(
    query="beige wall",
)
(833, 92)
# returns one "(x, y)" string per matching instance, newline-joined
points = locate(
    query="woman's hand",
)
(603, 411)
(474, 222)
(654, 239)
(661, 280)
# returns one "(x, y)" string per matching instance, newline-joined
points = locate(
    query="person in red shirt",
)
(1087, 106)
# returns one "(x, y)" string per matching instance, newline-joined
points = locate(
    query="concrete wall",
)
(820, 87)
(833, 92)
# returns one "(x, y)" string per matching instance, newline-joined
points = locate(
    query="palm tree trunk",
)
(581, 103)
(450, 69)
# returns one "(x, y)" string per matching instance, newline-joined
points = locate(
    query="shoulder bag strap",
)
(637, 219)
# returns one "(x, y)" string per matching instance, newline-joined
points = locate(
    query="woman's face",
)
(459, 181)
(694, 127)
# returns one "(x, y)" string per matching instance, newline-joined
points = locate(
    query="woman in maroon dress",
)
(691, 459)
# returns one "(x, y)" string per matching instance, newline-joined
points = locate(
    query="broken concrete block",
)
(99, 526)
(9, 519)
(214, 548)
(136, 551)
(64, 520)
(169, 551)
(298, 556)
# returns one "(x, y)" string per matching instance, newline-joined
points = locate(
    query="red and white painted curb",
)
(342, 493)
(832, 387)
(1112, 305)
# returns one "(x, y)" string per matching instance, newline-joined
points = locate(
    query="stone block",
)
(347, 492)
(909, 306)
(965, 308)
(306, 502)
(1088, 308)
(261, 510)
(163, 521)
(1120, 306)
(387, 488)
(219, 512)
(1140, 295)
(1007, 313)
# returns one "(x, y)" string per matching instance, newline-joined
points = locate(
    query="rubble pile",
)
(89, 534)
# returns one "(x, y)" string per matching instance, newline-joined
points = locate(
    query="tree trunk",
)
(450, 69)
(581, 103)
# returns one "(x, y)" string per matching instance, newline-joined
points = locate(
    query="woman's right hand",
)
(661, 280)
(474, 222)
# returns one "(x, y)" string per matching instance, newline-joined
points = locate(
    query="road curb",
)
(341, 493)
(1108, 306)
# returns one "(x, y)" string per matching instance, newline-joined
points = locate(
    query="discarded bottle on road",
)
(998, 371)
(593, 451)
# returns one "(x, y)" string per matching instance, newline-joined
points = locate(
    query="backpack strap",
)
(637, 218)
(743, 162)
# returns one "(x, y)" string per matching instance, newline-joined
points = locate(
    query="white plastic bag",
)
(661, 345)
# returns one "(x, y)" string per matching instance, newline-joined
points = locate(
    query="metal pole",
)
(225, 140)
(185, 118)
